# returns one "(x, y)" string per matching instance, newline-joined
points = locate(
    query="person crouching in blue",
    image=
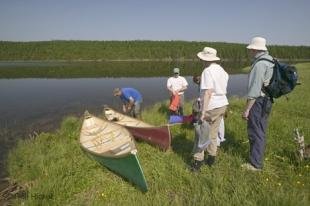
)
(132, 100)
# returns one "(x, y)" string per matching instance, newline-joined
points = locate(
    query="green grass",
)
(55, 170)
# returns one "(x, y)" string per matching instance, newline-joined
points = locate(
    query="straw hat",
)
(258, 43)
(208, 54)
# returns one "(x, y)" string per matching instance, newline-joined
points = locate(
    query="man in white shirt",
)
(176, 85)
(214, 102)
(201, 133)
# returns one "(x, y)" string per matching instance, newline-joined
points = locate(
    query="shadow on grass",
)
(183, 147)
(235, 146)
(163, 109)
(187, 126)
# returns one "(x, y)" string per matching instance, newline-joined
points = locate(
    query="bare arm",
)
(130, 103)
(206, 99)
(182, 89)
(249, 104)
(170, 90)
(184, 85)
(128, 106)
(169, 87)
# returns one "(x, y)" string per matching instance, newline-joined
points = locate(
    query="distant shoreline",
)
(131, 60)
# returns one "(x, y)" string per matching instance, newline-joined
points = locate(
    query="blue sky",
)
(284, 22)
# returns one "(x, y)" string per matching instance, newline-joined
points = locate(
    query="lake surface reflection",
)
(36, 105)
(28, 100)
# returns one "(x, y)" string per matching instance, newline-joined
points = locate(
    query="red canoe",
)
(155, 135)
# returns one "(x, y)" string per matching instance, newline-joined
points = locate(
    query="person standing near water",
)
(258, 104)
(213, 89)
(176, 85)
(132, 100)
(196, 116)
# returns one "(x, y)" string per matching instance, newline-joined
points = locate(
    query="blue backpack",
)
(283, 80)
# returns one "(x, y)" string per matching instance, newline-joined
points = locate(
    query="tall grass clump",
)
(55, 171)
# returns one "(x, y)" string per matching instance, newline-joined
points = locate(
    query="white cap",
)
(176, 71)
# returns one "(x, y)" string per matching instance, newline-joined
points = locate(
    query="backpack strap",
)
(268, 60)
(273, 61)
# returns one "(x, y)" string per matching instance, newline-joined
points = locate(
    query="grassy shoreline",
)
(119, 68)
(55, 170)
(84, 69)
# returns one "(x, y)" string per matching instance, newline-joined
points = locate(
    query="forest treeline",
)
(134, 50)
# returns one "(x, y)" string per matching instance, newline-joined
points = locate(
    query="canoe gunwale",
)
(107, 155)
(159, 136)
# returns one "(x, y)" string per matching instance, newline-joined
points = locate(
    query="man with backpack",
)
(259, 103)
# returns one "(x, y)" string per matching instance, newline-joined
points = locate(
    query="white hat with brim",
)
(258, 43)
(208, 54)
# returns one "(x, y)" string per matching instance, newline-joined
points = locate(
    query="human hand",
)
(205, 117)
(245, 114)
(202, 118)
(124, 109)
(129, 108)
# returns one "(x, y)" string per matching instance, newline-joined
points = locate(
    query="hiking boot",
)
(195, 167)
(210, 160)
(250, 167)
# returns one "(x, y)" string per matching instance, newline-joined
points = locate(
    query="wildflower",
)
(299, 175)
(279, 183)
(267, 179)
(298, 182)
(266, 158)
(103, 195)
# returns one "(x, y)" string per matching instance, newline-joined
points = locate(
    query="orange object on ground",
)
(174, 102)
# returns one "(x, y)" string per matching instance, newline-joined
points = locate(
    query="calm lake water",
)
(36, 104)
(25, 101)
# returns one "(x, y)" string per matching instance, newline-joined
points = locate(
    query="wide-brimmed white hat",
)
(258, 43)
(208, 54)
